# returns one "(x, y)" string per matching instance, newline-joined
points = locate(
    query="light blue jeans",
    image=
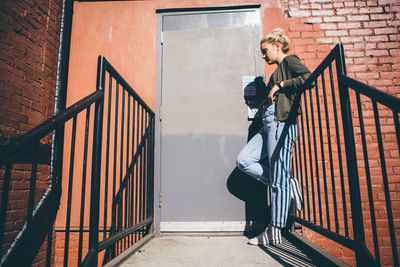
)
(275, 141)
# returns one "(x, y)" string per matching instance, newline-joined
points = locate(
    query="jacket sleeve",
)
(299, 72)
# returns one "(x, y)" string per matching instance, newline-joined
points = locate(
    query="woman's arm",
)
(298, 71)
(273, 92)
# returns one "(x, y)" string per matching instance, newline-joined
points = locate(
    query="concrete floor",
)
(211, 250)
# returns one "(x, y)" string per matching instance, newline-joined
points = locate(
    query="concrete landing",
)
(214, 250)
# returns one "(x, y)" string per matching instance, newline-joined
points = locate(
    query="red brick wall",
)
(370, 33)
(29, 37)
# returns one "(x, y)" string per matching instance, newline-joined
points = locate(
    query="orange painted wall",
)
(125, 33)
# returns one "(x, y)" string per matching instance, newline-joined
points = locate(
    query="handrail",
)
(34, 230)
(304, 159)
(126, 222)
(308, 84)
(129, 215)
(9, 151)
(379, 96)
(125, 84)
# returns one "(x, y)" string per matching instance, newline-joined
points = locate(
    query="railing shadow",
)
(289, 255)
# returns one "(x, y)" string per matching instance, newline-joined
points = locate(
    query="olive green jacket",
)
(292, 71)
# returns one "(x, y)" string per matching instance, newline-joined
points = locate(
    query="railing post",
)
(362, 257)
(96, 169)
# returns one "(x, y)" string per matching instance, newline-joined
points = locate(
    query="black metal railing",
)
(349, 190)
(117, 171)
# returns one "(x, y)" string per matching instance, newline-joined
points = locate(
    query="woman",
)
(278, 135)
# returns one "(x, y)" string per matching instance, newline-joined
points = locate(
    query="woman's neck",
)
(281, 56)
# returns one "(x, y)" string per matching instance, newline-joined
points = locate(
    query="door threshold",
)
(209, 227)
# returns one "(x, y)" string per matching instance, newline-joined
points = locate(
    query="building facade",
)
(127, 34)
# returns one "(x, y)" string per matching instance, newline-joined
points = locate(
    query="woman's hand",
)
(272, 94)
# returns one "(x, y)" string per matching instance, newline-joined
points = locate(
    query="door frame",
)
(157, 161)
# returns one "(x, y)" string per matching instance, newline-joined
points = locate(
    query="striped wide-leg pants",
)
(275, 141)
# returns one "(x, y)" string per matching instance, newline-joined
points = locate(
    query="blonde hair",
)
(277, 36)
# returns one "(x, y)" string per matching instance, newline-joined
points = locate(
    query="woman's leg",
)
(249, 158)
(281, 138)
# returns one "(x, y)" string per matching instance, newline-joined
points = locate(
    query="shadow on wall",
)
(251, 191)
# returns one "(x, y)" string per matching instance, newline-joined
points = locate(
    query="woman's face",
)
(269, 53)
